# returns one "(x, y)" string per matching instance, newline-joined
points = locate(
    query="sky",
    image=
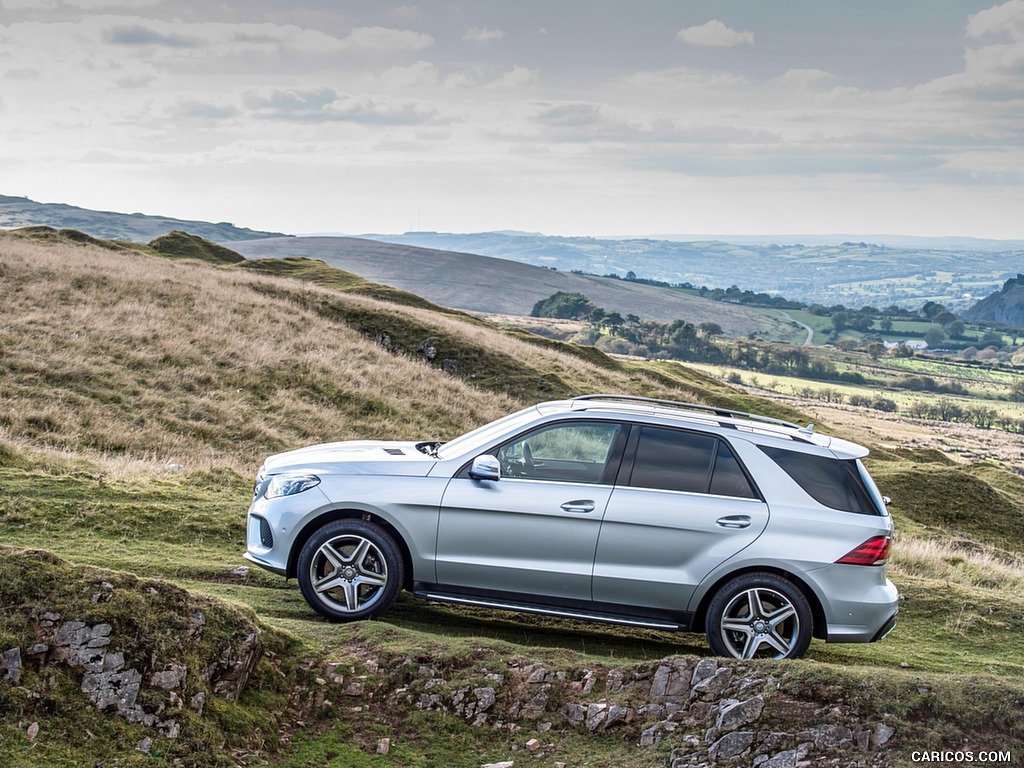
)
(566, 117)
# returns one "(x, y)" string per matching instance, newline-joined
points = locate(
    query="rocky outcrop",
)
(707, 712)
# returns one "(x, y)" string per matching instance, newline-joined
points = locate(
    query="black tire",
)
(350, 570)
(760, 615)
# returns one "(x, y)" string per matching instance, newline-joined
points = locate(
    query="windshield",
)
(481, 436)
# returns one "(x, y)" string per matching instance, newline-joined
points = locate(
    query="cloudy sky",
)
(573, 117)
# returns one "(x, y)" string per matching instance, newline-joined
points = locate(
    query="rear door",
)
(683, 504)
(534, 531)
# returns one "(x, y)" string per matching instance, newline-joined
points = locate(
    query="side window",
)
(728, 478)
(672, 460)
(576, 452)
(832, 482)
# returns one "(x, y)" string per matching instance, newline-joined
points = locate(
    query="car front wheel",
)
(759, 615)
(350, 570)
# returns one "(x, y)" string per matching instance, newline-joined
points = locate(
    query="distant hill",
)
(852, 273)
(137, 227)
(1005, 306)
(477, 283)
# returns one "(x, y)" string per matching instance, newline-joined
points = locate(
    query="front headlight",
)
(289, 485)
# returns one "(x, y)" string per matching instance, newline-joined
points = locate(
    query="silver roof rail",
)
(725, 413)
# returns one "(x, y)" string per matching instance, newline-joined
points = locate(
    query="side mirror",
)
(485, 468)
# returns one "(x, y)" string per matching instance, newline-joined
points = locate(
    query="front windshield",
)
(481, 435)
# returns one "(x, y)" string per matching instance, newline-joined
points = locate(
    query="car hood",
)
(354, 457)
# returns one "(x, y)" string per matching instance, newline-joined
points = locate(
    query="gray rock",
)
(881, 734)
(741, 713)
(575, 713)
(198, 702)
(10, 665)
(616, 715)
(535, 707)
(715, 685)
(731, 745)
(485, 698)
(145, 745)
(705, 668)
(169, 678)
(651, 736)
(826, 736)
(596, 715)
(787, 759)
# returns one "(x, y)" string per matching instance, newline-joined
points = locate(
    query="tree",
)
(935, 337)
(571, 306)
(710, 330)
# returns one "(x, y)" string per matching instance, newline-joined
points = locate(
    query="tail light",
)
(874, 551)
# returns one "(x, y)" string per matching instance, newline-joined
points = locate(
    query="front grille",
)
(266, 534)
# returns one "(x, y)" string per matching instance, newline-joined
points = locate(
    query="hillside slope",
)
(138, 227)
(479, 283)
(1005, 306)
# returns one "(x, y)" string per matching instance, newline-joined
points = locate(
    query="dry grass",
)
(107, 354)
(953, 563)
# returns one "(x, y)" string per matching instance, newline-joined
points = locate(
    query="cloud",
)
(1005, 19)
(517, 77)
(715, 34)
(138, 34)
(95, 5)
(385, 40)
(482, 35)
(325, 105)
(570, 116)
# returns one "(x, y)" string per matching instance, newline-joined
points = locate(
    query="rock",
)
(739, 714)
(596, 714)
(383, 746)
(731, 745)
(533, 745)
(485, 698)
(198, 702)
(650, 736)
(575, 713)
(32, 732)
(534, 708)
(787, 759)
(705, 668)
(10, 665)
(169, 678)
(505, 764)
(826, 736)
(881, 734)
(113, 689)
(715, 685)
(616, 715)
(145, 745)
(450, 365)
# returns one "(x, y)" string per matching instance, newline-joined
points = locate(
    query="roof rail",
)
(720, 412)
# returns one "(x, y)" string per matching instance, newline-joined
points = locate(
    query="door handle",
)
(580, 505)
(733, 521)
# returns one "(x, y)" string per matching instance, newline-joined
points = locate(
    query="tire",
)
(759, 615)
(350, 570)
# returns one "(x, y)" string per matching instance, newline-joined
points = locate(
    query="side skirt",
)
(609, 613)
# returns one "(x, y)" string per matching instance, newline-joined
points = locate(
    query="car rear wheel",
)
(759, 615)
(350, 570)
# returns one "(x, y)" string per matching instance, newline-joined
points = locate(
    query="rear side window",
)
(674, 460)
(836, 483)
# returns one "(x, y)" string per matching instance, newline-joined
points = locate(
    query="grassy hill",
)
(140, 394)
(483, 284)
(135, 227)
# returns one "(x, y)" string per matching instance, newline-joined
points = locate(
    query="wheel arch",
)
(334, 515)
(817, 612)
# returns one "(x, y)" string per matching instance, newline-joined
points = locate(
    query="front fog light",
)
(289, 485)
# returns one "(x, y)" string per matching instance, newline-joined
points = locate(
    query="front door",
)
(534, 531)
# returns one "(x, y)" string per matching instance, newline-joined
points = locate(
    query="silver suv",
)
(650, 513)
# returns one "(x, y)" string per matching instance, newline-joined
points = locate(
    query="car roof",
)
(698, 414)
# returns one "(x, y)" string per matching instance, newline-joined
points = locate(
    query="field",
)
(139, 397)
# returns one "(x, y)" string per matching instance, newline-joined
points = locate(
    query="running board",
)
(564, 613)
